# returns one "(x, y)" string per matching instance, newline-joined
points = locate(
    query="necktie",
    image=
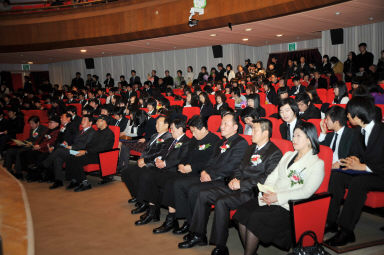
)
(289, 132)
(363, 132)
(171, 147)
(117, 123)
(334, 143)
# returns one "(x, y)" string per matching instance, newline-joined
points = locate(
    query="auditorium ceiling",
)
(295, 27)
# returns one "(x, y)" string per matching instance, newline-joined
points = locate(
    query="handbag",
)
(316, 249)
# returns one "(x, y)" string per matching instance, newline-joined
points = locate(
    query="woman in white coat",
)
(298, 175)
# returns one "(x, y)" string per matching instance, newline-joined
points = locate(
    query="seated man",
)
(367, 160)
(102, 140)
(226, 157)
(298, 88)
(258, 162)
(288, 111)
(60, 154)
(165, 163)
(306, 109)
(13, 154)
(120, 120)
(200, 150)
(340, 140)
(156, 146)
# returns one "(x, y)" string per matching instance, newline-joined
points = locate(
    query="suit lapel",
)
(373, 136)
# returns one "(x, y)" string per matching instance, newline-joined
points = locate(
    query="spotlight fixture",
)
(337, 13)
(193, 22)
(30, 62)
(83, 50)
(370, 18)
(279, 35)
(248, 29)
(230, 25)
(213, 35)
(245, 39)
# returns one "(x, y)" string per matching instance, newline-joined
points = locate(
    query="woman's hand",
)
(269, 198)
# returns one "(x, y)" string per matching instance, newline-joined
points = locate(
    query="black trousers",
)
(358, 187)
(74, 166)
(224, 200)
(14, 155)
(55, 162)
(130, 175)
(186, 192)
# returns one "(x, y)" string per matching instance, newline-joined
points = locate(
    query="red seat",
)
(381, 106)
(214, 122)
(275, 127)
(188, 133)
(316, 122)
(191, 111)
(108, 159)
(231, 103)
(79, 109)
(270, 109)
(282, 144)
(212, 98)
(180, 103)
(322, 94)
(42, 114)
(103, 100)
(248, 138)
(262, 98)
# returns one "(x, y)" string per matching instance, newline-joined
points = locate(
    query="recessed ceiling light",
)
(212, 35)
(279, 35)
(103, 53)
(30, 62)
(147, 43)
(83, 50)
(337, 13)
(245, 39)
(370, 18)
(248, 29)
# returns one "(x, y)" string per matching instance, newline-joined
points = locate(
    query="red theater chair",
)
(311, 213)
(275, 127)
(214, 122)
(316, 122)
(107, 159)
(79, 109)
(231, 103)
(191, 111)
(270, 109)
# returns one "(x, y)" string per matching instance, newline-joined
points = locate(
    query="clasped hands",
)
(269, 198)
(352, 163)
(159, 163)
(184, 169)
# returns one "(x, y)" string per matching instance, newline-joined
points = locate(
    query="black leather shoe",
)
(132, 200)
(152, 215)
(182, 230)
(188, 236)
(169, 224)
(105, 180)
(141, 208)
(341, 238)
(331, 228)
(56, 185)
(220, 251)
(82, 187)
(195, 240)
(72, 185)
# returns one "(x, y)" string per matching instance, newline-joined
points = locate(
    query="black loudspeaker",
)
(217, 51)
(337, 36)
(89, 63)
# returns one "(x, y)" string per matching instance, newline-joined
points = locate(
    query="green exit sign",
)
(292, 46)
(25, 67)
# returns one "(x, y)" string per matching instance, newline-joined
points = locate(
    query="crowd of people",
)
(188, 173)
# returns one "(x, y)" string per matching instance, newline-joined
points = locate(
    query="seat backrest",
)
(316, 122)
(275, 127)
(212, 98)
(326, 154)
(79, 109)
(283, 145)
(248, 138)
(116, 132)
(191, 111)
(231, 103)
(270, 109)
(214, 122)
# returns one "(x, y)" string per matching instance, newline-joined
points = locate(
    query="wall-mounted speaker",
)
(217, 51)
(337, 36)
(89, 63)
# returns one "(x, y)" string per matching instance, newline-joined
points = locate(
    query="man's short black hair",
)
(197, 121)
(179, 124)
(337, 113)
(34, 119)
(362, 108)
(72, 108)
(266, 125)
(119, 111)
(152, 102)
(303, 97)
(166, 119)
(89, 117)
(362, 44)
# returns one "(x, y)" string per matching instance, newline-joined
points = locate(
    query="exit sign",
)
(25, 67)
(292, 46)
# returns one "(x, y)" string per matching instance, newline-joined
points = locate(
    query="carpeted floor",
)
(98, 221)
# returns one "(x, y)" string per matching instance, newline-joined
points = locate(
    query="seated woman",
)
(297, 176)
(248, 115)
(220, 102)
(341, 93)
(253, 101)
(191, 100)
(206, 108)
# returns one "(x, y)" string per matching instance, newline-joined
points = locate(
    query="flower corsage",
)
(296, 177)
(256, 159)
(159, 140)
(203, 147)
(224, 148)
(178, 145)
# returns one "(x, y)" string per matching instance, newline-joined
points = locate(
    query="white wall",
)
(63, 72)
(18, 67)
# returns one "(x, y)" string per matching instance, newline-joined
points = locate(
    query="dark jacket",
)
(312, 112)
(122, 123)
(173, 156)
(153, 149)
(37, 135)
(102, 140)
(82, 139)
(321, 83)
(283, 129)
(345, 144)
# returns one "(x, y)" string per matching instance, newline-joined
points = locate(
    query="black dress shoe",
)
(195, 240)
(82, 187)
(169, 224)
(341, 238)
(56, 185)
(220, 251)
(72, 185)
(152, 215)
(182, 230)
(188, 236)
(331, 228)
(141, 208)
(132, 200)
(105, 180)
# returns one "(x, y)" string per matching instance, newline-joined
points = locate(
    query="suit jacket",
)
(109, 83)
(224, 161)
(69, 134)
(272, 96)
(321, 83)
(15, 126)
(345, 144)
(49, 138)
(206, 111)
(122, 124)
(134, 80)
(173, 157)
(72, 101)
(304, 69)
(76, 122)
(102, 140)
(82, 139)
(311, 169)
(284, 127)
(200, 152)
(373, 154)
(250, 174)
(311, 113)
(37, 135)
(157, 148)
(294, 88)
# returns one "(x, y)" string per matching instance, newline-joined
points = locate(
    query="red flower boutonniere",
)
(256, 159)
(203, 147)
(159, 140)
(224, 147)
(296, 177)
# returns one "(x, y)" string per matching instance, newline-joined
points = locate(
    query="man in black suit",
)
(341, 138)
(10, 127)
(76, 120)
(306, 109)
(70, 98)
(168, 162)
(167, 80)
(258, 162)
(156, 146)
(109, 81)
(220, 71)
(270, 92)
(119, 119)
(302, 66)
(77, 81)
(13, 155)
(134, 79)
(318, 82)
(123, 82)
(102, 140)
(298, 88)
(364, 59)
(288, 110)
(68, 130)
(226, 157)
(60, 152)
(367, 159)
